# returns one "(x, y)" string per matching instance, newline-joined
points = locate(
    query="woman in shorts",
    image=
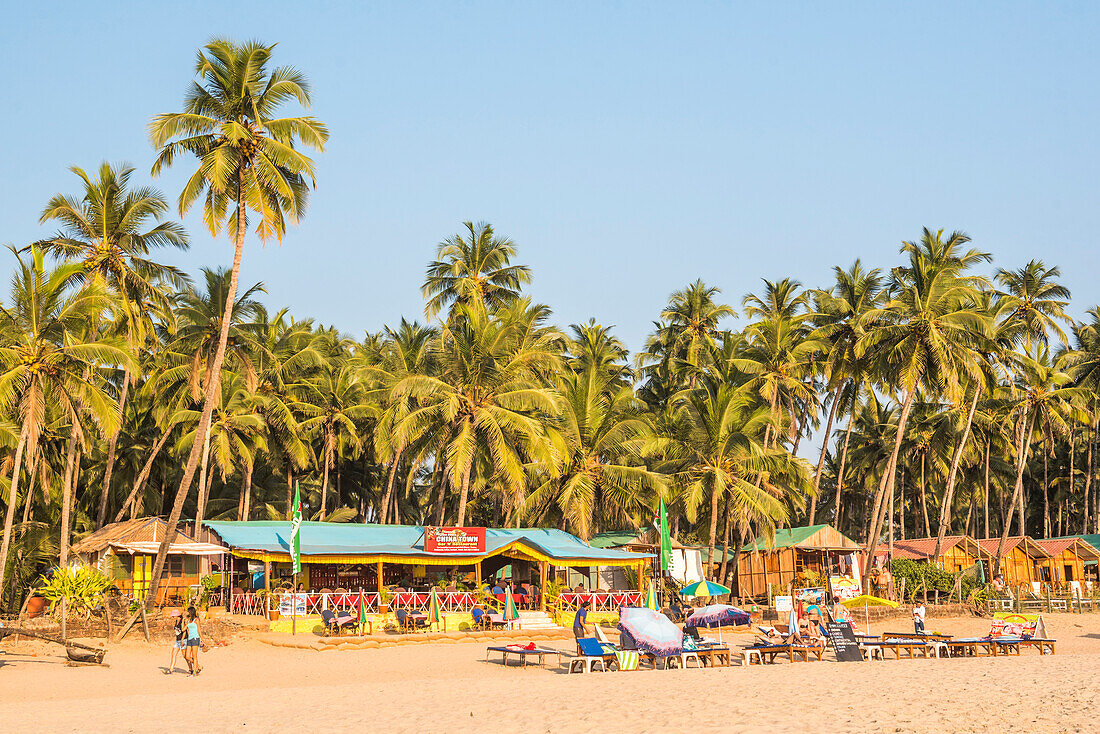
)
(179, 640)
(194, 642)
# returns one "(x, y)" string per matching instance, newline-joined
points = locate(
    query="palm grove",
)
(953, 396)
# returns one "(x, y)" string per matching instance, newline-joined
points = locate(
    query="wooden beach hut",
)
(126, 551)
(792, 554)
(1021, 560)
(957, 553)
(1068, 558)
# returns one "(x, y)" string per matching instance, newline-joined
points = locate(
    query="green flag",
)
(296, 531)
(666, 539)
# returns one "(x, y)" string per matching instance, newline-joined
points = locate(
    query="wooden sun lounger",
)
(523, 653)
(970, 647)
(1013, 646)
(768, 653)
(715, 656)
(911, 648)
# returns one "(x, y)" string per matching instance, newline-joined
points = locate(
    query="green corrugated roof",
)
(612, 538)
(784, 538)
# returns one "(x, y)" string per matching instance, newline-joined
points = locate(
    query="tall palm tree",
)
(110, 231)
(920, 339)
(247, 161)
(49, 360)
(474, 268)
(1034, 301)
(486, 401)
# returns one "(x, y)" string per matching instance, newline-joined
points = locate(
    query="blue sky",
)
(628, 148)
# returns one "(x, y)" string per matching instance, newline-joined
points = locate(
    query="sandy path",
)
(254, 687)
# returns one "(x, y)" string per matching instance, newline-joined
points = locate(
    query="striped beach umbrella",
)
(651, 597)
(510, 610)
(435, 614)
(362, 612)
(704, 588)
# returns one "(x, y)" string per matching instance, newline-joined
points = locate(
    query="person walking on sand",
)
(194, 642)
(179, 640)
(918, 618)
(580, 623)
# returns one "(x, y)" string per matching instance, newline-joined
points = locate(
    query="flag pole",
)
(294, 606)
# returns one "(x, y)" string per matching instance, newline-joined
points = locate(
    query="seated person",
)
(497, 588)
(479, 617)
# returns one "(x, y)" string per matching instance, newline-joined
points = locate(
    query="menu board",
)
(291, 605)
(843, 640)
(454, 540)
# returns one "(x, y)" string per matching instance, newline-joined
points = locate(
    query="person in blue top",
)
(194, 642)
(580, 622)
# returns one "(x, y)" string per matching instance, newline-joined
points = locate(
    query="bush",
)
(921, 575)
(82, 587)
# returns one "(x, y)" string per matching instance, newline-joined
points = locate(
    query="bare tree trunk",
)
(247, 494)
(66, 496)
(1046, 491)
(985, 501)
(949, 490)
(923, 496)
(725, 540)
(821, 456)
(205, 478)
(112, 445)
(30, 490)
(385, 504)
(886, 486)
(208, 401)
(143, 475)
(840, 471)
(1088, 480)
(1023, 446)
(464, 493)
(441, 495)
(324, 481)
(13, 491)
(289, 490)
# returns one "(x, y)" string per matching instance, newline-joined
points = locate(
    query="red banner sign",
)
(454, 540)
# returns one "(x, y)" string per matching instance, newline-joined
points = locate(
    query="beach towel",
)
(627, 659)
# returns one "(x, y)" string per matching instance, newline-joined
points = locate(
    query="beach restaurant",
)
(397, 565)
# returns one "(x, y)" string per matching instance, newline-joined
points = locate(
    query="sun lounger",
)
(1013, 645)
(768, 653)
(910, 647)
(592, 653)
(522, 652)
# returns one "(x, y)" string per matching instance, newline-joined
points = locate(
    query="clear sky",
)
(628, 148)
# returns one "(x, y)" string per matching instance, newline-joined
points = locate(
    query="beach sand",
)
(251, 686)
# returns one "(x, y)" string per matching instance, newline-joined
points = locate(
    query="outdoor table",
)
(496, 618)
(523, 653)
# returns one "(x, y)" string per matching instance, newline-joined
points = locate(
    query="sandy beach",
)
(252, 686)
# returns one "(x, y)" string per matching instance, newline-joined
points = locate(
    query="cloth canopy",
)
(175, 549)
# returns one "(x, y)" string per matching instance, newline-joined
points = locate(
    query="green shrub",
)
(921, 575)
(82, 587)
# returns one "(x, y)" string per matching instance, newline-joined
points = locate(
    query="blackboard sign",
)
(843, 641)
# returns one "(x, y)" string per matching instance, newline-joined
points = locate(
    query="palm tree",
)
(475, 268)
(921, 338)
(105, 230)
(247, 160)
(50, 360)
(486, 400)
(1034, 301)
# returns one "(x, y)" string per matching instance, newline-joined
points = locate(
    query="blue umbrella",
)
(651, 631)
(717, 614)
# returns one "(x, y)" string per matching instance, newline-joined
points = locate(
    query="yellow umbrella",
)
(866, 601)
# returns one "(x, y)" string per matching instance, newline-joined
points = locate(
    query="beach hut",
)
(1021, 560)
(1068, 557)
(794, 552)
(957, 553)
(126, 551)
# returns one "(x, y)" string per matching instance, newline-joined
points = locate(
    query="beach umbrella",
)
(362, 612)
(866, 601)
(651, 631)
(435, 615)
(717, 614)
(666, 539)
(704, 588)
(651, 598)
(510, 611)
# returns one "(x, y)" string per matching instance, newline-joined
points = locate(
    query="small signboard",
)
(454, 540)
(843, 640)
(292, 605)
(783, 604)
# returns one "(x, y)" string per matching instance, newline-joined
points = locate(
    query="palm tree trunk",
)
(440, 479)
(1072, 478)
(143, 475)
(1046, 491)
(1088, 481)
(385, 505)
(923, 495)
(886, 487)
(246, 494)
(208, 401)
(204, 483)
(13, 490)
(66, 497)
(840, 470)
(725, 541)
(713, 530)
(289, 490)
(949, 490)
(30, 489)
(1020, 506)
(464, 492)
(821, 457)
(985, 495)
(112, 444)
(1023, 446)
(324, 482)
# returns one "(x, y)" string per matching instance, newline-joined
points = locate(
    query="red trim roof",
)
(919, 549)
